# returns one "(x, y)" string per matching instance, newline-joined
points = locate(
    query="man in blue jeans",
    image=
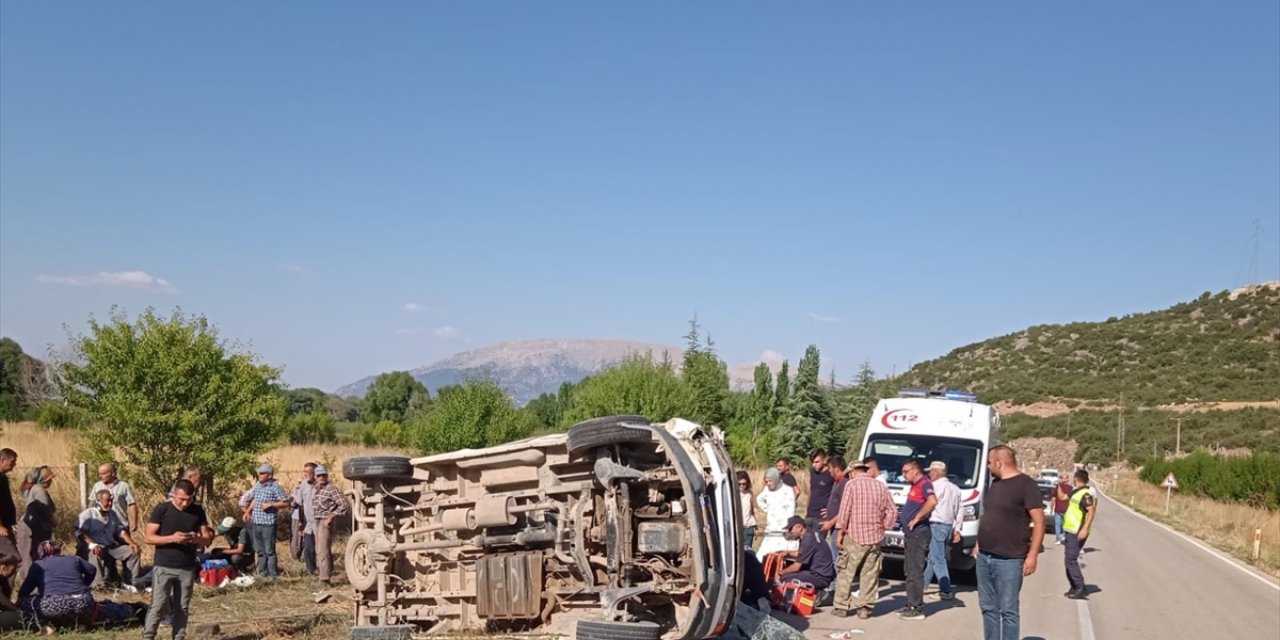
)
(944, 527)
(1010, 532)
(268, 498)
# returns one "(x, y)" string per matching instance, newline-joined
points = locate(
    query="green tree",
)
(707, 377)
(394, 396)
(808, 421)
(166, 392)
(637, 385)
(11, 356)
(474, 414)
(316, 426)
(549, 408)
(751, 438)
(782, 390)
(854, 406)
(306, 400)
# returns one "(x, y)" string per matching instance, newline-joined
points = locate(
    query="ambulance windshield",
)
(962, 457)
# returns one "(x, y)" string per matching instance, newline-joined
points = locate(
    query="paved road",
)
(1147, 582)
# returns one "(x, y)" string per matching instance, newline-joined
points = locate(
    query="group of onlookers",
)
(54, 589)
(851, 510)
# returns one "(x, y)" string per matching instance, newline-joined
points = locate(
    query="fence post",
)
(84, 486)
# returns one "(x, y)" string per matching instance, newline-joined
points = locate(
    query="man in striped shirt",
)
(329, 504)
(268, 499)
(866, 512)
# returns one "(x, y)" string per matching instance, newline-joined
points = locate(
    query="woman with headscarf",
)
(37, 525)
(778, 502)
(56, 591)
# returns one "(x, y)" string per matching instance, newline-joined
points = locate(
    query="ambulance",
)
(925, 425)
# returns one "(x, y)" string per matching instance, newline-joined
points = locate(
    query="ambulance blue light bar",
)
(949, 394)
(962, 396)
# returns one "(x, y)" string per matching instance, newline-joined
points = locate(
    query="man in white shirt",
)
(126, 505)
(104, 539)
(944, 525)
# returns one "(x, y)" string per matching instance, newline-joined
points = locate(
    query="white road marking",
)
(1211, 551)
(1084, 619)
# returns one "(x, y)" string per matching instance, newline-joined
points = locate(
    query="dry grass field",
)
(39, 446)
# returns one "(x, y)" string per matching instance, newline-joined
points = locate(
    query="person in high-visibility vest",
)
(1082, 507)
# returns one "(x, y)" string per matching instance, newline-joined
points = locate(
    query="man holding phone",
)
(177, 528)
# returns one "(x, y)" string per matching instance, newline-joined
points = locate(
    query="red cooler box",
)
(214, 577)
(795, 597)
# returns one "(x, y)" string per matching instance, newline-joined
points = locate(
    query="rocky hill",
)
(526, 368)
(1223, 347)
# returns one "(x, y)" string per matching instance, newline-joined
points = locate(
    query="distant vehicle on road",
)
(1047, 487)
(1050, 475)
(626, 528)
(923, 425)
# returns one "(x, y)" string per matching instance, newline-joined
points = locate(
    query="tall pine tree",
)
(707, 378)
(809, 422)
(855, 406)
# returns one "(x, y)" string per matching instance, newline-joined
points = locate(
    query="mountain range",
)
(527, 368)
(1218, 347)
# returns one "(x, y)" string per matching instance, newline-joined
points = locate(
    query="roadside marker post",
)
(1257, 544)
(1170, 483)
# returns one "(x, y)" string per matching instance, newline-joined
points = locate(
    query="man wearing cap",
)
(866, 512)
(329, 504)
(813, 562)
(239, 549)
(268, 498)
(944, 526)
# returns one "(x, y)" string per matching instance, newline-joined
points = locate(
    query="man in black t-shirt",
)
(820, 483)
(813, 562)
(784, 469)
(1009, 535)
(177, 528)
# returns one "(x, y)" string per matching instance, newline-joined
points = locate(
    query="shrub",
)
(1254, 479)
(55, 415)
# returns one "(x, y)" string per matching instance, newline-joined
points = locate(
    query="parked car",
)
(627, 529)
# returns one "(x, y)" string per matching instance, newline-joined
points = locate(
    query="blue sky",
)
(352, 189)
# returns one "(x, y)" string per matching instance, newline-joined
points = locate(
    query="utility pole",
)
(1177, 448)
(1068, 425)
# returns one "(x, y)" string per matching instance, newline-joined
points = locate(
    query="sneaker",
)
(947, 595)
(864, 613)
(1078, 594)
(911, 613)
(840, 613)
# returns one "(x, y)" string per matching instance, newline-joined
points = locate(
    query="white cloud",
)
(818, 317)
(295, 269)
(128, 279)
(438, 332)
(413, 306)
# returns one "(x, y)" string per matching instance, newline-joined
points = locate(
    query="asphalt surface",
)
(1145, 581)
